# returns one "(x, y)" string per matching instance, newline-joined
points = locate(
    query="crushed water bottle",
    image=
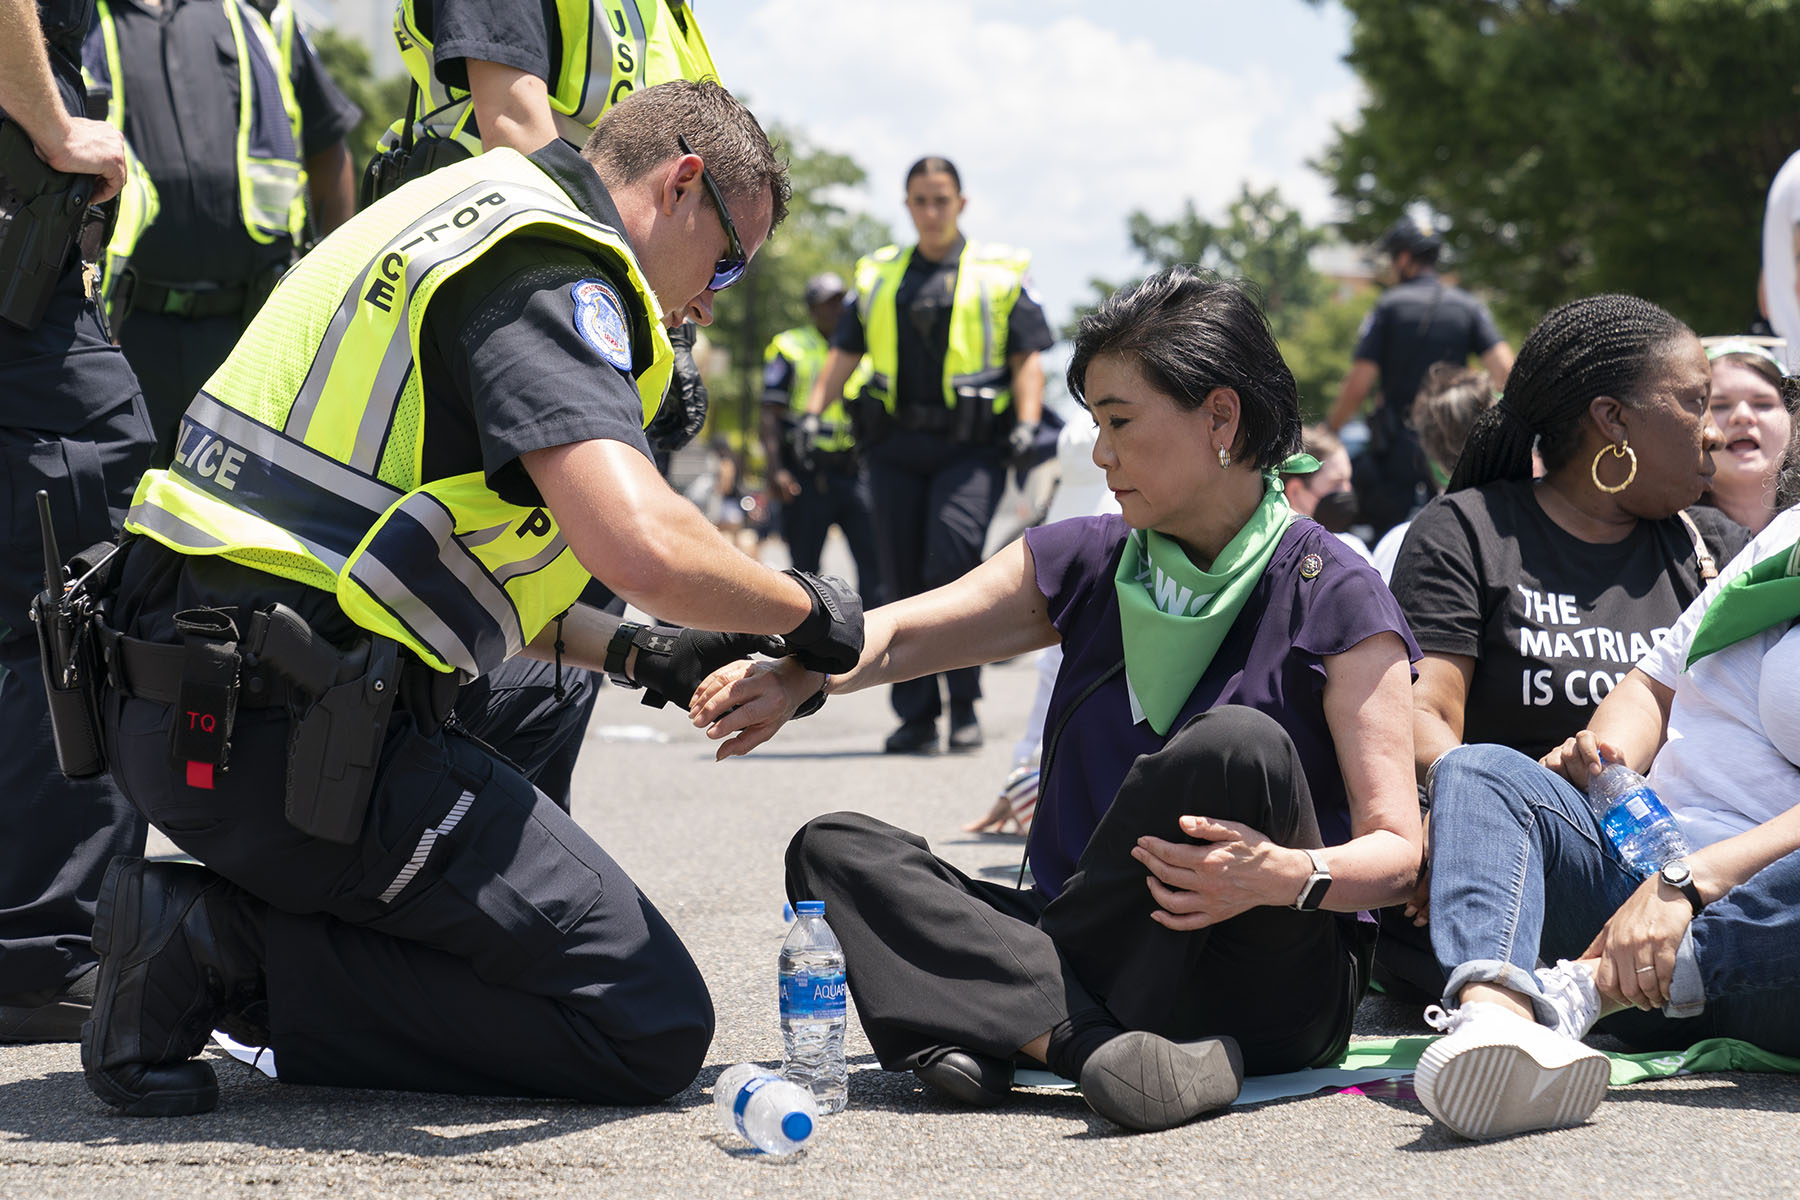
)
(813, 994)
(775, 1116)
(1638, 825)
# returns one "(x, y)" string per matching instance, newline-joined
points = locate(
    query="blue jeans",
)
(1521, 872)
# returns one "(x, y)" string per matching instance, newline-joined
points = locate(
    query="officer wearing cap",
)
(822, 484)
(956, 391)
(1419, 321)
(72, 424)
(520, 72)
(241, 136)
(423, 447)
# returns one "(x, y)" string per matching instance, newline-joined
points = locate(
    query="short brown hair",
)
(638, 135)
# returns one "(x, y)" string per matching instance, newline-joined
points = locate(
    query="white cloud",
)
(1060, 126)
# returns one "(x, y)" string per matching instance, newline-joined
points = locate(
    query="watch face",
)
(1676, 873)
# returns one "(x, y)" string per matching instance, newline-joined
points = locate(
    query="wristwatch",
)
(1676, 874)
(1312, 892)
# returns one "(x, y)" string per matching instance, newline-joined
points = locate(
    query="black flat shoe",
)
(914, 737)
(53, 1015)
(1143, 1081)
(968, 1078)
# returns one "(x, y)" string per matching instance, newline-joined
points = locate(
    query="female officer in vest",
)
(953, 336)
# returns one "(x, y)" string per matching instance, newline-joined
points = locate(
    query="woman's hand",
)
(1582, 757)
(1233, 869)
(1636, 948)
(1418, 905)
(751, 700)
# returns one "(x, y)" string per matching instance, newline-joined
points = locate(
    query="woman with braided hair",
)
(1532, 598)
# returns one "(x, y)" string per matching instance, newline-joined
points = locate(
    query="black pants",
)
(935, 958)
(518, 960)
(515, 710)
(72, 423)
(174, 357)
(838, 497)
(933, 500)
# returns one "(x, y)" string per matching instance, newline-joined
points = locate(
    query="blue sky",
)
(1063, 116)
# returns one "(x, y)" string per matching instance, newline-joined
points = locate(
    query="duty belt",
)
(151, 297)
(924, 420)
(152, 671)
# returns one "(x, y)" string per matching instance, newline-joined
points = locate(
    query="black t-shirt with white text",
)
(1552, 622)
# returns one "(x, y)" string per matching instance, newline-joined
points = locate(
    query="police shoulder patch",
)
(600, 320)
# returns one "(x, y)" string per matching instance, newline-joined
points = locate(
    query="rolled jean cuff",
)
(1500, 974)
(1687, 995)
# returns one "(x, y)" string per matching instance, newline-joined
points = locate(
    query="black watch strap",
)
(1679, 876)
(618, 650)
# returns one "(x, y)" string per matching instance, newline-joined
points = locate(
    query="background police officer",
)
(464, 900)
(953, 338)
(1419, 321)
(71, 423)
(826, 485)
(233, 168)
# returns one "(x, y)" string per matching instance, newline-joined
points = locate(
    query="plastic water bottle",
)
(1641, 829)
(813, 993)
(775, 1116)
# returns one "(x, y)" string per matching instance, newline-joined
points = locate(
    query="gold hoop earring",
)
(1224, 457)
(1622, 450)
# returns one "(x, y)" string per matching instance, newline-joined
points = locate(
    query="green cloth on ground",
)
(1713, 1054)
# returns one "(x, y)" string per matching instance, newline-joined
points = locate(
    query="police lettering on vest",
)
(300, 456)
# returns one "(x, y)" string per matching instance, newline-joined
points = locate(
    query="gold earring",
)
(1622, 450)
(1224, 457)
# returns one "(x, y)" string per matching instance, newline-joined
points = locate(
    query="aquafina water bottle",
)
(813, 995)
(1635, 820)
(775, 1116)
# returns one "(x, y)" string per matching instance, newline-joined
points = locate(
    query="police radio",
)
(64, 614)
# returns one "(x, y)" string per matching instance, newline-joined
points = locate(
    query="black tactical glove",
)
(671, 661)
(831, 637)
(1021, 445)
(683, 408)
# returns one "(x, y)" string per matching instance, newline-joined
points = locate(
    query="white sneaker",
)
(1570, 989)
(1496, 1073)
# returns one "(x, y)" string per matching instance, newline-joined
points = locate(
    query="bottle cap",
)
(796, 1127)
(810, 908)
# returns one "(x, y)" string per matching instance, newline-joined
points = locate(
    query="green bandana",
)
(1761, 598)
(1173, 615)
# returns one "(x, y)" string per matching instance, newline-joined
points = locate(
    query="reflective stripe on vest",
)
(610, 48)
(138, 200)
(806, 349)
(271, 180)
(989, 279)
(301, 457)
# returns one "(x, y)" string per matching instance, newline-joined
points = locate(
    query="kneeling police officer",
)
(427, 442)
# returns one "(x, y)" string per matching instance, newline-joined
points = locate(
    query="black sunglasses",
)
(730, 269)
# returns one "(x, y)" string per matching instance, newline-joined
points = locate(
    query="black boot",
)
(1143, 1081)
(179, 948)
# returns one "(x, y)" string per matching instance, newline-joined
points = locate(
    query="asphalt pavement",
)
(705, 841)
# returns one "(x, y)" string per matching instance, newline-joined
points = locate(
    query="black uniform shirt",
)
(922, 305)
(181, 111)
(1418, 323)
(522, 34)
(505, 370)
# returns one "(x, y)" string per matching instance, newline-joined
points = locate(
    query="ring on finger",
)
(1651, 967)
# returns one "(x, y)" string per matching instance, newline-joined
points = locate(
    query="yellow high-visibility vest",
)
(610, 48)
(806, 348)
(989, 280)
(302, 454)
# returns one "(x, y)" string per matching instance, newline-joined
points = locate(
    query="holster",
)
(338, 720)
(41, 212)
(390, 169)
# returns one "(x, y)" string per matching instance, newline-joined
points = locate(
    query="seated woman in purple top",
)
(1226, 768)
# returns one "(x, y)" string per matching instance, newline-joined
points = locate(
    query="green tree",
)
(1578, 146)
(1265, 240)
(381, 100)
(820, 234)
